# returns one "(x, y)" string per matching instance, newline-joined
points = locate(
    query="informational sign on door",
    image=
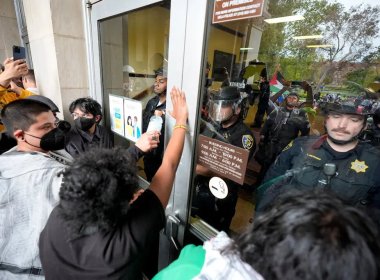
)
(226, 160)
(133, 121)
(229, 10)
(117, 114)
(126, 117)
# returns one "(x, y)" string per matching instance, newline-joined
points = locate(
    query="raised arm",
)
(162, 182)
(13, 69)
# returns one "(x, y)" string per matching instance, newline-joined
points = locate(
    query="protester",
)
(29, 185)
(96, 232)
(87, 133)
(12, 70)
(310, 235)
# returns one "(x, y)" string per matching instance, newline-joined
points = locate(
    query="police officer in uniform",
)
(263, 106)
(337, 161)
(372, 133)
(283, 125)
(226, 112)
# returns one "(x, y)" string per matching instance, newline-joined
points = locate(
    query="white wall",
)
(56, 35)
(9, 34)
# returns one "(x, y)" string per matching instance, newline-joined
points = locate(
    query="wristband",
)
(180, 126)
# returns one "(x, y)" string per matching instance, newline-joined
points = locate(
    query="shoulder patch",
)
(288, 146)
(247, 141)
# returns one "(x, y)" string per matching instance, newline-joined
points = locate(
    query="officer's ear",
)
(365, 125)
(237, 110)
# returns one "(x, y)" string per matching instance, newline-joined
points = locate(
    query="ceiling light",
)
(319, 46)
(308, 37)
(246, 49)
(284, 19)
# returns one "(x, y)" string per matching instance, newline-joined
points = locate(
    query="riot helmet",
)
(225, 104)
(348, 106)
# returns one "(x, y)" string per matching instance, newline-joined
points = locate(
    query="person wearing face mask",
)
(87, 132)
(336, 162)
(283, 125)
(30, 183)
(226, 112)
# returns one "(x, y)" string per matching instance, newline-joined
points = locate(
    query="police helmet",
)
(352, 107)
(229, 96)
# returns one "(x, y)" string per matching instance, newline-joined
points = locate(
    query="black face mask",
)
(84, 123)
(54, 139)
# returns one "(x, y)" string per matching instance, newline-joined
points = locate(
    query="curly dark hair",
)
(97, 188)
(311, 235)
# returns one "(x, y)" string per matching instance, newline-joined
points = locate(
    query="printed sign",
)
(133, 119)
(117, 114)
(229, 10)
(226, 160)
(218, 187)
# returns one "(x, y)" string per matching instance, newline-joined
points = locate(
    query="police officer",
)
(282, 126)
(372, 133)
(337, 161)
(154, 118)
(263, 106)
(226, 111)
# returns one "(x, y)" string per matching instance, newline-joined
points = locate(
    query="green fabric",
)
(188, 264)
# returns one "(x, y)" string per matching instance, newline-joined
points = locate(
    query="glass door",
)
(131, 41)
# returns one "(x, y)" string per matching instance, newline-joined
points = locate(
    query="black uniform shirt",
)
(356, 180)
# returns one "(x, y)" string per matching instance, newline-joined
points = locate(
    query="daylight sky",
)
(349, 3)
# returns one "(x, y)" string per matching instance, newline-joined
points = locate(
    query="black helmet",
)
(229, 96)
(353, 107)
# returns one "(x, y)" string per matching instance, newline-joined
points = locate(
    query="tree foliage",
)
(349, 32)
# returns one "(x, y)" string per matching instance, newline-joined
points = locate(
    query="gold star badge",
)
(359, 166)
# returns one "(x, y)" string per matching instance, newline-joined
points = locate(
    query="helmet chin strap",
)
(343, 142)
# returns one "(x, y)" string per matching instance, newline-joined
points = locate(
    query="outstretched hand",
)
(148, 141)
(180, 111)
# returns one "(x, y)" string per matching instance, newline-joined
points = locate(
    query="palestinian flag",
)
(276, 84)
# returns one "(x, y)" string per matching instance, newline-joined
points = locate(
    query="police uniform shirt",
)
(356, 180)
(239, 135)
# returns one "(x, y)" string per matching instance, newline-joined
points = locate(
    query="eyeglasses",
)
(76, 115)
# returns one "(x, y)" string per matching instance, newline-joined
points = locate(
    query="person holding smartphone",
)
(12, 69)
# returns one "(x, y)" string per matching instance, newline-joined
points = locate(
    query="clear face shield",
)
(221, 110)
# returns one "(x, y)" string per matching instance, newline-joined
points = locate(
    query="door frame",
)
(185, 70)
